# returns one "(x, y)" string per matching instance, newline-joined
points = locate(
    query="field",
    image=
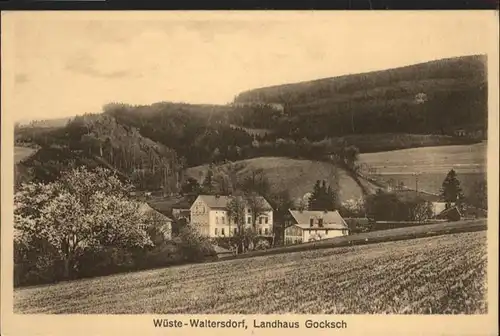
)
(20, 153)
(431, 163)
(296, 176)
(442, 274)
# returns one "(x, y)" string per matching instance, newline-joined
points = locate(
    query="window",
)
(235, 230)
(248, 210)
(260, 220)
(266, 231)
(249, 220)
(223, 231)
(311, 222)
(266, 220)
(216, 220)
(320, 222)
(326, 232)
(223, 220)
(216, 231)
(260, 231)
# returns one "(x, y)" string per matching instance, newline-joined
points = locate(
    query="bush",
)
(106, 261)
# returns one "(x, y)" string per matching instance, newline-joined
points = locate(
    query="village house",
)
(209, 214)
(305, 226)
(159, 220)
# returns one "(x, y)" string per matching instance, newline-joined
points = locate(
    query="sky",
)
(70, 63)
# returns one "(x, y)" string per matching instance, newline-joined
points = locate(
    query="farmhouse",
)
(209, 214)
(305, 226)
(159, 220)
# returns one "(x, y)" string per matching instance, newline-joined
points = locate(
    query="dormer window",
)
(320, 222)
(311, 222)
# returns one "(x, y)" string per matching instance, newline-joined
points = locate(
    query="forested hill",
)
(98, 140)
(435, 97)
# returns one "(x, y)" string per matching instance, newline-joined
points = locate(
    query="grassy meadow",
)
(437, 275)
(296, 176)
(431, 164)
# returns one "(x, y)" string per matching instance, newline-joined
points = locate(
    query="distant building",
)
(438, 207)
(159, 220)
(305, 226)
(209, 215)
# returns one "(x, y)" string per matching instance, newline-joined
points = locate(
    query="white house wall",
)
(324, 234)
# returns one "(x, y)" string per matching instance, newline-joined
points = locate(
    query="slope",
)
(296, 176)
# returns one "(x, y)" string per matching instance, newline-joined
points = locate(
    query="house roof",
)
(182, 204)
(221, 202)
(331, 219)
(449, 212)
(145, 208)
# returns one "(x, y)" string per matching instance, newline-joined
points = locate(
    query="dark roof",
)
(221, 202)
(182, 204)
(449, 211)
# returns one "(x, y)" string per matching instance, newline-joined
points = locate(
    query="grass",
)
(432, 164)
(443, 274)
(296, 176)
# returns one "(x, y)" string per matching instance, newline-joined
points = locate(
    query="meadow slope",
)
(442, 274)
(296, 176)
(432, 164)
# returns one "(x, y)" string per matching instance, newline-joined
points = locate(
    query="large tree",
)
(323, 197)
(82, 210)
(451, 192)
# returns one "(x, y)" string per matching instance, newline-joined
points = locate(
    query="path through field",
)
(441, 274)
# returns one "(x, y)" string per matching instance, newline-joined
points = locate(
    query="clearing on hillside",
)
(296, 176)
(437, 275)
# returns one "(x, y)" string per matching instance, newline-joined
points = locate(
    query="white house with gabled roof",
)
(209, 214)
(305, 226)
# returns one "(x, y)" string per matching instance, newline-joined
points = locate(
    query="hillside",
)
(431, 164)
(436, 275)
(430, 98)
(98, 140)
(296, 176)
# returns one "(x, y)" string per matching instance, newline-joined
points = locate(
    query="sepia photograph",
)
(266, 163)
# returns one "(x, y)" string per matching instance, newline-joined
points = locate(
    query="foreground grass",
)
(442, 274)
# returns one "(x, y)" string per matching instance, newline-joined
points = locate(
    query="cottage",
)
(305, 226)
(162, 222)
(438, 207)
(209, 215)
